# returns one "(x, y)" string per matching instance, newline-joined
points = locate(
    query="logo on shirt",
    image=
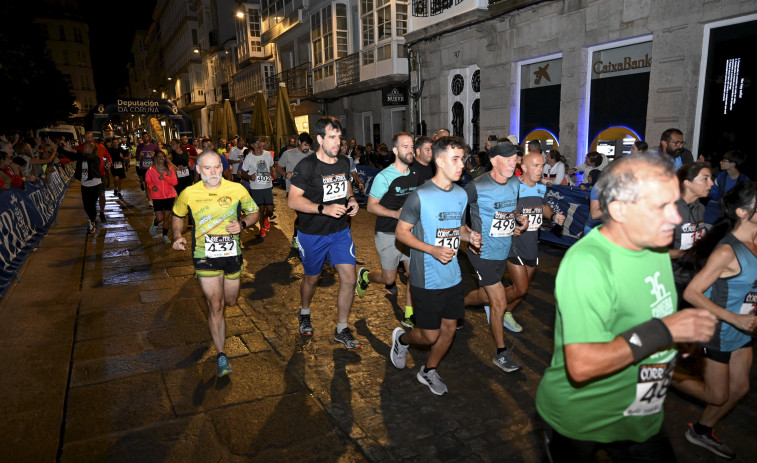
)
(443, 216)
(663, 305)
(224, 201)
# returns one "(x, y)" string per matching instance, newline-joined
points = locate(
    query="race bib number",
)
(334, 187)
(264, 178)
(503, 224)
(651, 388)
(749, 307)
(691, 233)
(448, 237)
(182, 172)
(118, 165)
(220, 246)
(534, 217)
(146, 163)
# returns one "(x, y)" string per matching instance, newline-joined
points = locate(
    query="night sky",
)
(111, 35)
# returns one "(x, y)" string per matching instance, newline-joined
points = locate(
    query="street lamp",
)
(240, 14)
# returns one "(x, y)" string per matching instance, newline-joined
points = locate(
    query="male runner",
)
(145, 155)
(189, 148)
(524, 252)
(258, 169)
(285, 167)
(432, 225)
(320, 193)
(614, 352)
(388, 193)
(106, 161)
(492, 200)
(215, 204)
(424, 164)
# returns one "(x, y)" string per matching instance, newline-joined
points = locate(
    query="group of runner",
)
(614, 356)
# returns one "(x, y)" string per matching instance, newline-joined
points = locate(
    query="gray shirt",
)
(290, 159)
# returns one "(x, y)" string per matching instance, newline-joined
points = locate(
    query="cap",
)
(503, 149)
(513, 139)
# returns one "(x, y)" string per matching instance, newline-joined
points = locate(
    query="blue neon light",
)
(549, 132)
(622, 127)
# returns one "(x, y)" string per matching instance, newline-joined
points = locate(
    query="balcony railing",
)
(348, 69)
(298, 80)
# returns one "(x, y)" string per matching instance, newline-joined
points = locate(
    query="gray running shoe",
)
(153, 229)
(306, 329)
(398, 353)
(223, 366)
(432, 380)
(710, 442)
(505, 361)
(346, 338)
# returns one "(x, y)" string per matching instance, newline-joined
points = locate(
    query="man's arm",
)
(300, 203)
(177, 225)
(374, 207)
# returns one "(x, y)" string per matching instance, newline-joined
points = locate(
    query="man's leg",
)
(497, 302)
(347, 279)
(441, 346)
(214, 288)
(521, 277)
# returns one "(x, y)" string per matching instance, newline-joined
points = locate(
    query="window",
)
(325, 38)
(384, 23)
(254, 30)
(384, 52)
(401, 19)
(85, 82)
(66, 59)
(341, 30)
(194, 37)
(367, 57)
(368, 30)
(62, 32)
(44, 32)
(315, 36)
(78, 37)
(328, 35)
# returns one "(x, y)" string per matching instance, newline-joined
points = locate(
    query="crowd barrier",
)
(25, 217)
(571, 201)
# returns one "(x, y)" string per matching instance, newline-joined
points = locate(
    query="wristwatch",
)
(320, 209)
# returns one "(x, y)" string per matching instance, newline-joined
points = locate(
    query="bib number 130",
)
(448, 237)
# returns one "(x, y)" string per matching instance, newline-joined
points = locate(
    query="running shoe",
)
(91, 227)
(432, 380)
(102, 217)
(391, 289)
(272, 217)
(166, 239)
(267, 224)
(511, 324)
(710, 442)
(295, 245)
(223, 366)
(408, 322)
(153, 229)
(505, 362)
(346, 338)
(398, 354)
(120, 195)
(362, 282)
(263, 232)
(306, 329)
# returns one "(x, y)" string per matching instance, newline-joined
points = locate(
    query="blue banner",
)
(574, 203)
(366, 174)
(25, 217)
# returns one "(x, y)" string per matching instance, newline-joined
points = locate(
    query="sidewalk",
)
(109, 358)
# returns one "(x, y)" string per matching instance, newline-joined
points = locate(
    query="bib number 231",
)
(334, 190)
(448, 237)
(220, 246)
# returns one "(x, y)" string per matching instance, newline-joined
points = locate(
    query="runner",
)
(105, 162)
(431, 224)
(89, 171)
(614, 337)
(161, 180)
(286, 165)
(524, 252)
(215, 204)
(145, 154)
(492, 199)
(320, 194)
(257, 168)
(727, 287)
(120, 156)
(424, 163)
(389, 190)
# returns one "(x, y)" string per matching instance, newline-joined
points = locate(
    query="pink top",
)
(161, 188)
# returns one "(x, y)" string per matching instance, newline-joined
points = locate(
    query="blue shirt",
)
(436, 216)
(531, 202)
(492, 213)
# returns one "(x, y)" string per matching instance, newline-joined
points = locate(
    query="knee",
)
(430, 337)
(739, 389)
(348, 280)
(718, 397)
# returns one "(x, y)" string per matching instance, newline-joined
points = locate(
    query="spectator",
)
(592, 163)
(491, 142)
(639, 147)
(554, 169)
(9, 174)
(478, 165)
(726, 179)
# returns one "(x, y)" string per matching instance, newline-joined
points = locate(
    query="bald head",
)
(533, 166)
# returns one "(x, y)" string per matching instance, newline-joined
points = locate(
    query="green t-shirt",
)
(603, 290)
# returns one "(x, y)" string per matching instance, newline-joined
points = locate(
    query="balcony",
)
(348, 69)
(350, 74)
(298, 82)
(192, 100)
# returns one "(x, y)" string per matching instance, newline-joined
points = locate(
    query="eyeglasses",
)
(725, 160)
(677, 143)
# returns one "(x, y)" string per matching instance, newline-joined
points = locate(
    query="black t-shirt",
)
(323, 184)
(116, 155)
(425, 173)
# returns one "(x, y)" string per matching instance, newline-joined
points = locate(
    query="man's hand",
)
(443, 254)
(745, 322)
(234, 227)
(475, 239)
(335, 210)
(691, 325)
(559, 218)
(521, 224)
(180, 243)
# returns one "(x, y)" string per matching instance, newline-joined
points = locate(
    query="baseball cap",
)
(503, 149)
(513, 139)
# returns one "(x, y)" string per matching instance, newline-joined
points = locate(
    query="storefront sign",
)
(612, 62)
(541, 74)
(394, 96)
(138, 106)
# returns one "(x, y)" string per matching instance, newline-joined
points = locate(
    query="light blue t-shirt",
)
(492, 213)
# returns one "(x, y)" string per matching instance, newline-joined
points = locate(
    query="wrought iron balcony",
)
(298, 80)
(348, 69)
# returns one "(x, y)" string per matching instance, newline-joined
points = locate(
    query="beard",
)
(212, 180)
(673, 152)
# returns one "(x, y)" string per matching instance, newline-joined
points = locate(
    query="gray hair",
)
(623, 179)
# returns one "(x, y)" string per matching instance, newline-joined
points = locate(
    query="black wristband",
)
(320, 209)
(647, 338)
(244, 224)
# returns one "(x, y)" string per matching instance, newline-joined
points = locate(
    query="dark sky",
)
(111, 34)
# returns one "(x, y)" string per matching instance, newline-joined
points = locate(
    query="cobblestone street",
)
(111, 360)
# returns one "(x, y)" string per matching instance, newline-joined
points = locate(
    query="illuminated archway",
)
(544, 136)
(614, 133)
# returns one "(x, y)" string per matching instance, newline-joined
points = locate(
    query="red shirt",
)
(104, 155)
(15, 180)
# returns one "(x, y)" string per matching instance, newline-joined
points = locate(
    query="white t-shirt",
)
(236, 154)
(259, 170)
(86, 179)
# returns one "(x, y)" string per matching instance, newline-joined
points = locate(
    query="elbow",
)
(578, 372)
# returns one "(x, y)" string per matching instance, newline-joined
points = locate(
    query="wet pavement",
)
(108, 357)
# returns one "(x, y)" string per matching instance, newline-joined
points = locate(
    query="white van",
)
(71, 132)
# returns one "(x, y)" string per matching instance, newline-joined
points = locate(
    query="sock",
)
(165, 232)
(501, 349)
(402, 343)
(340, 327)
(408, 311)
(702, 430)
(155, 222)
(221, 354)
(304, 311)
(389, 287)
(427, 369)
